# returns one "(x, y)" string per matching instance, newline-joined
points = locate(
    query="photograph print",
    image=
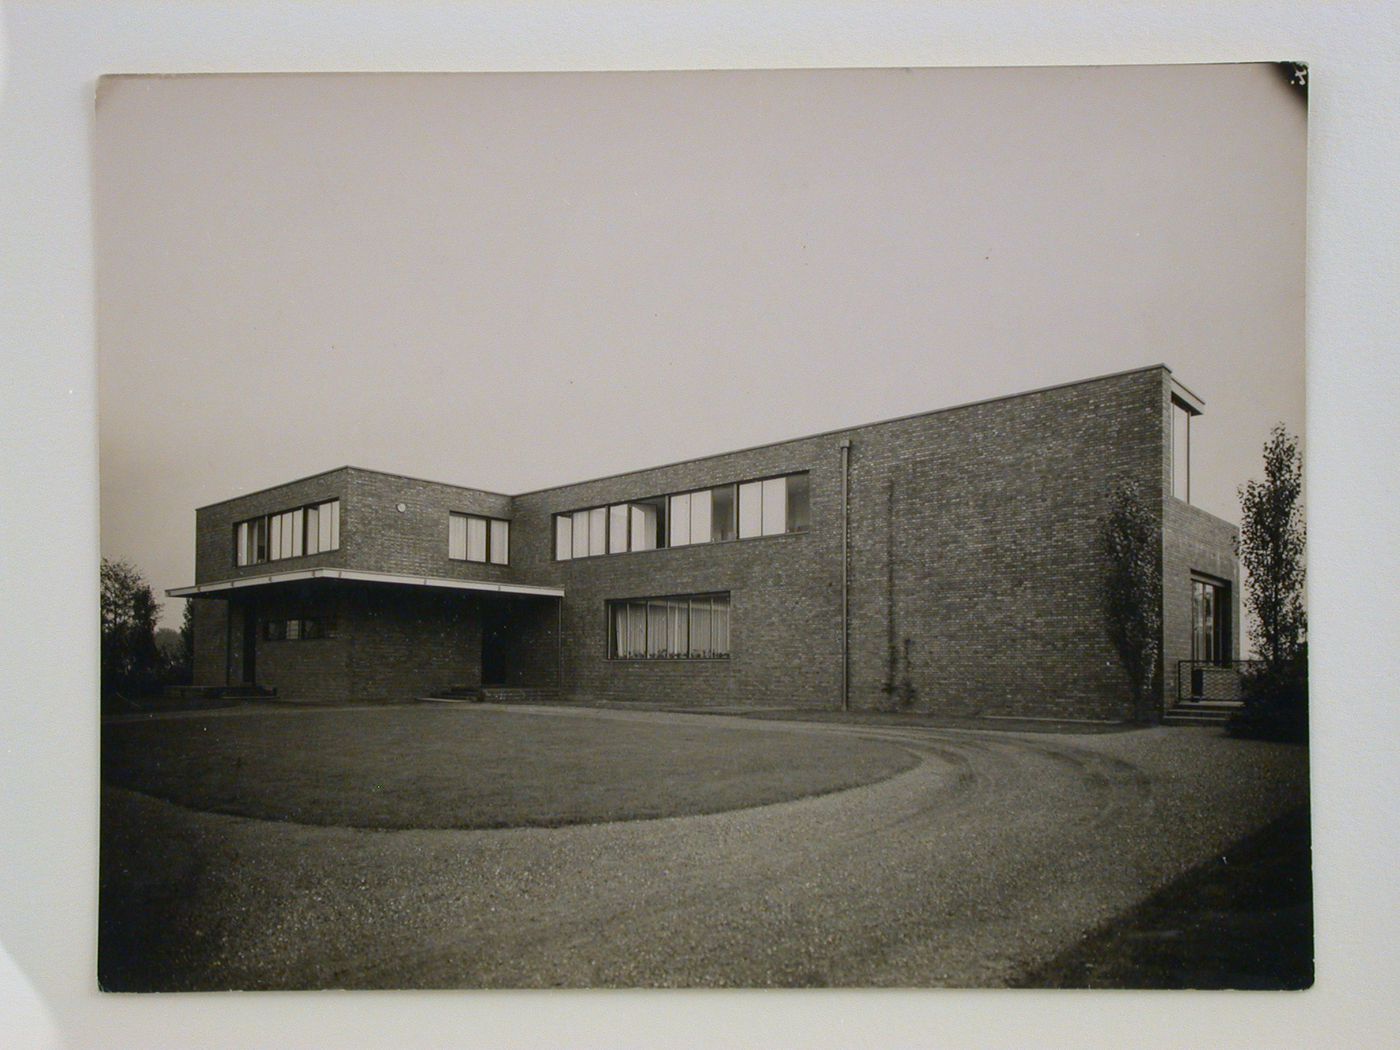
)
(716, 529)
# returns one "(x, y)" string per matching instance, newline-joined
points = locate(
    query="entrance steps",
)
(219, 692)
(495, 694)
(457, 694)
(1201, 712)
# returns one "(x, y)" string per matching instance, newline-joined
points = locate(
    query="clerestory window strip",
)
(312, 528)
(740, 510)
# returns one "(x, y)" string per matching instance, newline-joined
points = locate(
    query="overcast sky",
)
(519, 280)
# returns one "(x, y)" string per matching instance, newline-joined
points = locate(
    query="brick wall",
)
(987, 515)
(377, 536)
(529, 628)
(315, 669)
(408, 642)
(400, 648)
(210, 617)
(388, 643)
(975, 566)
(785, 590)
(374, 534)
(976, 537)
(215, 527)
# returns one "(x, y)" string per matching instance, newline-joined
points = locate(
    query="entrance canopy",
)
(222, 587)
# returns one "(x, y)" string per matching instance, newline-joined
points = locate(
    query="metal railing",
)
(1212, 679)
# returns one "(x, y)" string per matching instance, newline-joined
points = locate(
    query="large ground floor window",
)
(678, 627)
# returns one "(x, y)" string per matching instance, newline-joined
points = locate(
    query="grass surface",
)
(1242, 921)
(435, 767)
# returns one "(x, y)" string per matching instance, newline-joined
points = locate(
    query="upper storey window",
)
(767, 507)
(471, 537)
(311, 529)
(773, 506)
(1181, 450)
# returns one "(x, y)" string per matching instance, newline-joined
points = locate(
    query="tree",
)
(131, 661)
(185, 663)
(1270, 547)
(175, 663)
(1133, 591)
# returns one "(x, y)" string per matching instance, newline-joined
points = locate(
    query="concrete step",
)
(1170, 719)
(459, 694)
(519, 694)
(1201, 712)
(219, 692)
(495, 694)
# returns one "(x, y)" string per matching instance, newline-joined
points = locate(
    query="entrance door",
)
(1210, 622)
(250, 647)
(494, 631)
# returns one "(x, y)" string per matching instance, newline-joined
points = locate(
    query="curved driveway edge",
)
(993, 854)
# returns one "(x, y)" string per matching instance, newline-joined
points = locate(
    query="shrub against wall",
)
(1275, 700)
(1133, 591)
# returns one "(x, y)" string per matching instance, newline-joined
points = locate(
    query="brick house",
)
(969, 539)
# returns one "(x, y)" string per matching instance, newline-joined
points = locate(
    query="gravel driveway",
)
(994, 853)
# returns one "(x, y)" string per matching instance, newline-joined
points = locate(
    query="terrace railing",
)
(1212, 679)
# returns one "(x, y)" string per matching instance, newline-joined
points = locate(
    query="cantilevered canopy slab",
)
(220, 587)
(1189, 401)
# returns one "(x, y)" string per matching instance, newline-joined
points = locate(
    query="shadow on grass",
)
(1242, 921)
(154, 931)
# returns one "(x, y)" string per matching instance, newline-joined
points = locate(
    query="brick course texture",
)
(975, 571)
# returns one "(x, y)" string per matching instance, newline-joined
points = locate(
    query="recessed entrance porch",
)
(337, 635)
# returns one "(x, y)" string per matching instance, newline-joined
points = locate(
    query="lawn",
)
(460, 767)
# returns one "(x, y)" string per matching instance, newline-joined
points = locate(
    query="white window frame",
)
(761, 509)
(285, 533)
(471, 534)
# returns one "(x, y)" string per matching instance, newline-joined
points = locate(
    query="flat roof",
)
(358, 575)
(362, 470)
(1192, 402)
